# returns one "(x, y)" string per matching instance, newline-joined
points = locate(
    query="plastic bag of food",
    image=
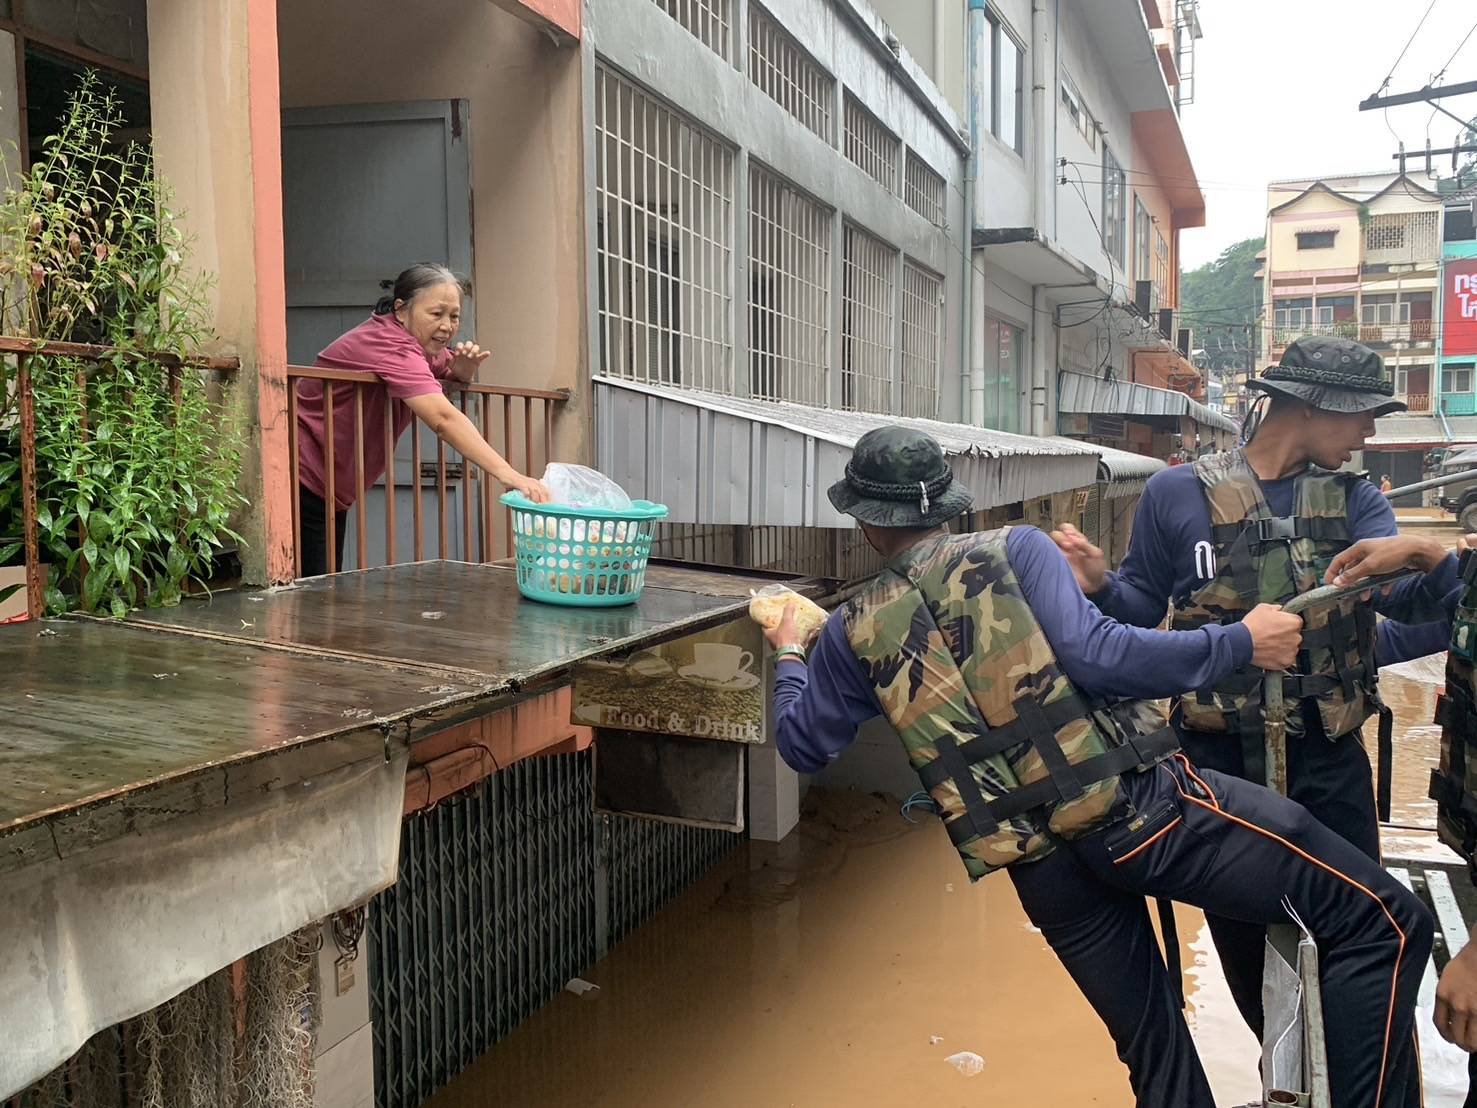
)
(582, 487)
(767, 608)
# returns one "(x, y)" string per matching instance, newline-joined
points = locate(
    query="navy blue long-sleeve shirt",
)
(1170, 555)
(819, 708)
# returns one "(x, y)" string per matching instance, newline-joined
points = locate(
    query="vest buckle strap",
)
(1043, 741)
(977, 814)
(1277, 528)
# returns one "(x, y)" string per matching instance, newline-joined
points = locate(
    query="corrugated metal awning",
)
(1413, 431)
(1081, 394)
(723, 460)
(1122, 473)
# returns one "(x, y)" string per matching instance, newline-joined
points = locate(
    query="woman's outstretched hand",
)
(466, 359)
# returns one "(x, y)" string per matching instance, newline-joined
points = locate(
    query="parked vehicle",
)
(1460, 497)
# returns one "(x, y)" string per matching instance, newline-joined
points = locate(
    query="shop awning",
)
(1407, 432)
(722, 460)
(1122, 473)
(1081, 394)
(186, 786)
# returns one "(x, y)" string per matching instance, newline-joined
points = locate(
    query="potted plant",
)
(136, 466)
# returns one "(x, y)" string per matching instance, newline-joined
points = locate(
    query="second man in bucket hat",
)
(1007, 689)
(1262, 524)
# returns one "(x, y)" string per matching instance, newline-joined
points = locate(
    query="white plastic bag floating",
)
(967, 1062)
(768, 605)
(582, 487)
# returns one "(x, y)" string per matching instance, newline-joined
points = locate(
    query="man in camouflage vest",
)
(1022, 708)
(1454, 788)
(1262, 524)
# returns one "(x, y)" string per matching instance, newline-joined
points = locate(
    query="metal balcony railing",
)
(24, 351)
(451, 506)
(1415, 333)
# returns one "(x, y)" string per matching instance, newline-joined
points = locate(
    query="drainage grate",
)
(499, 903)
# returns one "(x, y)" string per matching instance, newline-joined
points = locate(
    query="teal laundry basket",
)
(582, 557)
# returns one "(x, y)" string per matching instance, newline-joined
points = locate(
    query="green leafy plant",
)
(136, 469)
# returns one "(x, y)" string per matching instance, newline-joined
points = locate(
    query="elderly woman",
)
(406, 343)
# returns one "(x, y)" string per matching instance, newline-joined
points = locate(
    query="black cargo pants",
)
(1236, 850)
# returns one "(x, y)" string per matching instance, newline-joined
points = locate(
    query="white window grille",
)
(1404, 236)
(789, 292)
(1143, 235)
(922, 313)
(871, 145)
(707, 20)
(664, 211)
(1457, 378)
(1078, 115)
(1161, 266)
(868, 281)
(1115, 206)
(923, 190)
(783, 71)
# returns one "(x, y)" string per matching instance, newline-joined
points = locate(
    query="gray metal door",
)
(368, 189)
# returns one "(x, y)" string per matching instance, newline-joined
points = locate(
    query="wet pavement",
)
(847, 965)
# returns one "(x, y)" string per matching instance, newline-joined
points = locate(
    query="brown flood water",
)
(845, 965)
(819, 972)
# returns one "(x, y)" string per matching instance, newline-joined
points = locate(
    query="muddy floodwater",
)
(847, 965)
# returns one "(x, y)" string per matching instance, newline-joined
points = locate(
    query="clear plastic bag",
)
(582, 487)
(767, 608)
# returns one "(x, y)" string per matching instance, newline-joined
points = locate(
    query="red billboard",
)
(1459, 293)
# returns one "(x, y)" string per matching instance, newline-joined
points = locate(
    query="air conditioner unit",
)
(1184, 341)
(1145, 303)
(1166, 322)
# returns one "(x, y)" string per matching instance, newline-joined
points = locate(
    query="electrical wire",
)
(1406, 49)
(1442, 71)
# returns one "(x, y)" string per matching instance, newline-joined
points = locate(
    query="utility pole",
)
(1431, 94)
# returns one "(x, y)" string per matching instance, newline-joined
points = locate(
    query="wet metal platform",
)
(94, 711)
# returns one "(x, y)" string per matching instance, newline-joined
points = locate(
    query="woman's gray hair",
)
(414, 279)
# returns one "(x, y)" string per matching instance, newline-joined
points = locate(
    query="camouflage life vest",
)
(1014, 756)
(1454, 781)
(1265, 559)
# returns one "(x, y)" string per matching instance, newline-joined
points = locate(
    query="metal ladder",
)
(1295, 1066)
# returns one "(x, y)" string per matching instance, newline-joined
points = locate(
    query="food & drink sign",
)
(707, 686)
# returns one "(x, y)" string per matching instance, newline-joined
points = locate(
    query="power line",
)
(1386, 82)
(1454, 53)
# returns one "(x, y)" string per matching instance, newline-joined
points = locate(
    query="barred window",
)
(922, 315)
(789, 292)
(869, 277)
(871, 145)
(664, 212)
(923, 190)
(783, 71)
(707, 20)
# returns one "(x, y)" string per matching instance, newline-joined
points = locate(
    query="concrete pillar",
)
(217, 124)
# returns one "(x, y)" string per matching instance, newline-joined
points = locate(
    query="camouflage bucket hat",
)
(899, 478)
(1335, 375)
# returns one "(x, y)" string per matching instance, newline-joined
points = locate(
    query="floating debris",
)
(967, 1062)
(581, 988)
(934, 1040)
(358, 713)
(164, 676)
(438, 690)
(433, 615)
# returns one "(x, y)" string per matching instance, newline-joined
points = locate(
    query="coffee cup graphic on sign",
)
(720, 662)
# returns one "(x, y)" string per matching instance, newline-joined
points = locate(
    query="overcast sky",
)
(1277, 91)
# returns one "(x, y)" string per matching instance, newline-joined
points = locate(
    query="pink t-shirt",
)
(380, 346)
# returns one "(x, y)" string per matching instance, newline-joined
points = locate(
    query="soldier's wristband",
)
(796, 652)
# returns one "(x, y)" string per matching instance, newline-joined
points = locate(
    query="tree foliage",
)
(136, 472)
(1218, 302)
